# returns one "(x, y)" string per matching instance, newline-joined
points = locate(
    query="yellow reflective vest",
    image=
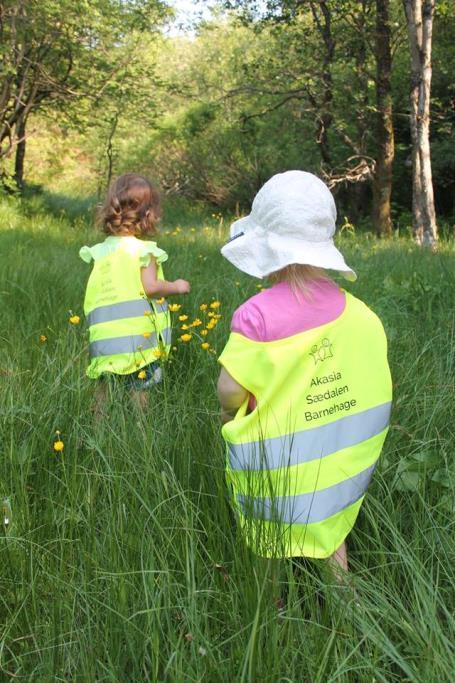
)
(126, 329)
(299, 464)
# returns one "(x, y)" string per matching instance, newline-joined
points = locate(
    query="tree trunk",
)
(20, 155)
(358, 196)
(382, 182)
(419, 17)
(323, 23)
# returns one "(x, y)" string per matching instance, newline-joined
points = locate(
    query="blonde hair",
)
(299, 277)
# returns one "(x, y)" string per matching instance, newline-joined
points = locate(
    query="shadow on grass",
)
(74, 208)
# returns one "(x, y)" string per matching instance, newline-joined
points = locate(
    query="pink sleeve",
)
(247, 320)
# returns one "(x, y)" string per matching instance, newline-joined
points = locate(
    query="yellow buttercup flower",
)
(182, 318)
(147, 334)
(211, 324)
(159, 353)
(203, 307)
(196, 322)
(204, 333)
(42, 338)
(205, 345)
(217, 316)
(160, 301)
(186, 337)
(185, 327)
(210, 314)
(215, 304)
(175, 307)
(74, 320)
(142, 374)
(58, 444)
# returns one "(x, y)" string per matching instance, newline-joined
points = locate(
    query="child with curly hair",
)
(125, 300)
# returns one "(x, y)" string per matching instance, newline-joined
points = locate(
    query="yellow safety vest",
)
(299, 464)
(126, 329)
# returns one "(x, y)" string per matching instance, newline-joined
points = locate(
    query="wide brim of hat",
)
(258, 253)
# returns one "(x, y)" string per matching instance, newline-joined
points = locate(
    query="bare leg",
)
(140, 399)
(338, 563)
(100, 399)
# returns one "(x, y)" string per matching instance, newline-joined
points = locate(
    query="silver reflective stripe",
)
(166, 335)
(310, 444)
(160, 308)
(308, 508)
(130, 344)
(123, 309)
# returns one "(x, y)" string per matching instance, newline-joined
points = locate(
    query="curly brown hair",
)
(132, 207)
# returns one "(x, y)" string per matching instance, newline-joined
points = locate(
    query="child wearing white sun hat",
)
(305, 387)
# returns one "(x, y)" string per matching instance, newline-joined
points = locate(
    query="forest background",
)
(213, 109)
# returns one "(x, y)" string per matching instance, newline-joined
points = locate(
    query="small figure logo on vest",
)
(323, 351)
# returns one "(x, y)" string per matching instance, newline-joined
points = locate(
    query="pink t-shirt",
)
(277, 312)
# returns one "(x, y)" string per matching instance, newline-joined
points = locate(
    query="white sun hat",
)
(292, 220)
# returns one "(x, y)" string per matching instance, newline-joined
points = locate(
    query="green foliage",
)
(122, 560)
(212, 115)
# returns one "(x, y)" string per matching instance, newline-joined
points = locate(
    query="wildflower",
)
(217, 316)
(160, 301)
(203, 307)
(211, 324)
(204, 333)
(147, 312)
(58, 444)
(147, 334)
(196, 322)
(186, 337)
(175, 307)
(42, 338)
(205, 345)
(159, 353)
(210, 314)
(185, 327)
(74, 320)
(142, 374)
(215, 304)
(182, 318)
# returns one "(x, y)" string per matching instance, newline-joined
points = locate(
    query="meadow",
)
(121, 560)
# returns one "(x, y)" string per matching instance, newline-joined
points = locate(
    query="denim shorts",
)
(153, 375)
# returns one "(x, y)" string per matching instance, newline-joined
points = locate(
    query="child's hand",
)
(182, 286)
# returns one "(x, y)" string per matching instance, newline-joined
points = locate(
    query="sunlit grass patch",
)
(121, 558)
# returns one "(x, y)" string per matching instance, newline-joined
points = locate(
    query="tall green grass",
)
(122, 560)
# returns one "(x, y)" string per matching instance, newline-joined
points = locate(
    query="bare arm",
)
(156, 288)
(231, 395)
